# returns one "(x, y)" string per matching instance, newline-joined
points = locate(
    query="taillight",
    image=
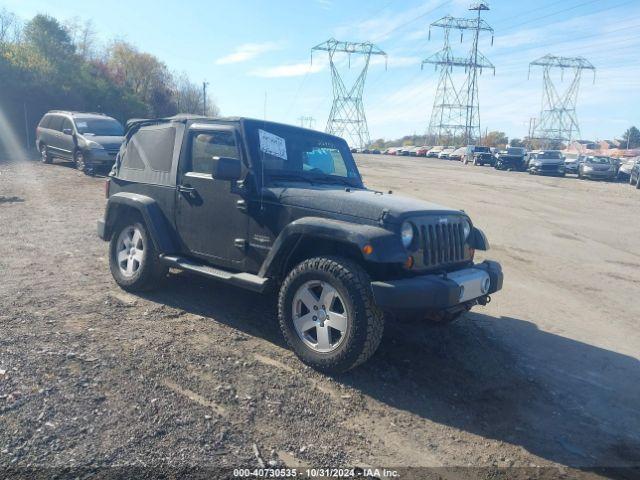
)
(107, 183)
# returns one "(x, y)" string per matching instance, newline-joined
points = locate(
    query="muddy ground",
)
(196, 374)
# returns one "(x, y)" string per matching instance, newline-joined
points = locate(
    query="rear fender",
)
(155, 221)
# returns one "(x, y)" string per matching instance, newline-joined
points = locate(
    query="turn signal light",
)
(367, 249)
(408, 263)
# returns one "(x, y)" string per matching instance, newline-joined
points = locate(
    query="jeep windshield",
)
(481, 149)
(289, 153)
(100, 127)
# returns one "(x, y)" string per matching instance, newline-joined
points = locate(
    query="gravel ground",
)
(196, 374)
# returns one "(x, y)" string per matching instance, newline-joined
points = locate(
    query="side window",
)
(206, 145)
(56, 122)
(46, 120)
(66, 123)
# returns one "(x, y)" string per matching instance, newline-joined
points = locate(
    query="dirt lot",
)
(548, 374)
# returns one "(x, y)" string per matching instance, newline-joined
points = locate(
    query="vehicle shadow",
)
(499, 378)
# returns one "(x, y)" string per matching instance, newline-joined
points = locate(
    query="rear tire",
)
(45, 156)
(133, 259)
(353, 323)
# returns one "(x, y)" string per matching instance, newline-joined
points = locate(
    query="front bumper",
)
(97, 157)
(547, 170)
(439, 291)
(602, 175)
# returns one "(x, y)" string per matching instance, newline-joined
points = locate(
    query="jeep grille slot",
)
(442, 243)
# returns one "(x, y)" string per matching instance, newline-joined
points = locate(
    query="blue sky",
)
(246, 49)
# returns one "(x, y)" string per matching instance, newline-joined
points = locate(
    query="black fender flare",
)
(387, 246)
(478, 239)
(155, 221)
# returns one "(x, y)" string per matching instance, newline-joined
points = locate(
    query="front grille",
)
(548, 167)
(441, 242)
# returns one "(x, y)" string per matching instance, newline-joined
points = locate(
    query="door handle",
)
(187, 191)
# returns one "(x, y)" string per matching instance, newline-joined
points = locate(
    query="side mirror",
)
(225, 168)
(67, 131)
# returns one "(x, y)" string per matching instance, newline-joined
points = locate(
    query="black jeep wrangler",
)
(269, 207)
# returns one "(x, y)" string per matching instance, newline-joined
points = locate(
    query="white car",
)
(444, 154)
(435, 151)
(624, 172)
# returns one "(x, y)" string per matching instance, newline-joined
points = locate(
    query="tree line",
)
(46, 65)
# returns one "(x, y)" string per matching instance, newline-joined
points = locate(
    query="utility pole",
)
(347, 118)
(455, 115)
(558, 121)
(204, 97)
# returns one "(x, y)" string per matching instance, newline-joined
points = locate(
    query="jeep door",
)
(208, 218)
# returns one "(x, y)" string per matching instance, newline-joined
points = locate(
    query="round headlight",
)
(466, 229)
(406, 232)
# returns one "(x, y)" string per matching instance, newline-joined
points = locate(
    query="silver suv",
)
(90, 140)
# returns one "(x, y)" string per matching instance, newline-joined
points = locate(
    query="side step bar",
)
(244, 280)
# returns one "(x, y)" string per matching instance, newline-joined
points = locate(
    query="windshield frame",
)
(264, 178)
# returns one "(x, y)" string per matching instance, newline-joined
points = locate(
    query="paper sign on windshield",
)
(272, 144)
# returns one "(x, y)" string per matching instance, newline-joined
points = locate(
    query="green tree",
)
(495, 139)
(632, 137)
(516, 142)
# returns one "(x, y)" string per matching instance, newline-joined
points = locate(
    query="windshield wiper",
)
(290, 176)
(332, 179)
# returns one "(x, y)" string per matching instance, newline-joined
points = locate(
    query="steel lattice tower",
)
(456, 111)
(347, 118)
(558, 120)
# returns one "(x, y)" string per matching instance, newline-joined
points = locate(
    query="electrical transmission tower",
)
(347, 118)
(307, 122)
(456, 110)
(558, 120)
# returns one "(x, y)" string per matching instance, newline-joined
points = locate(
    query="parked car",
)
(634, 175)
(478, 155)
(405, 151)
(624, 172)
(444, 153)
(391, 151)
(546, 162)
(90, 140)
(413, 151)
(513, 158)
(598, 167)
(272, 207)
(572, 161)
(375, 151)
(422, 151)
(458, 153)
(435, 151)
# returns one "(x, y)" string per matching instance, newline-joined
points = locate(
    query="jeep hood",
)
(355, 202)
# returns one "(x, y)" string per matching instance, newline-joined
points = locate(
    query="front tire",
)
(133, 259)
(327, 314)
(45, 156)
(78, 159)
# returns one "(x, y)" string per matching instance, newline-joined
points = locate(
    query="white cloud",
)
(247, 51)
(288, 70)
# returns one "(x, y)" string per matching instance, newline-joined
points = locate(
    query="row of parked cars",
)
(536, 162)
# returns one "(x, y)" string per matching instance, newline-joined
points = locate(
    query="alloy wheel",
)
(130, 251)
(320, 316)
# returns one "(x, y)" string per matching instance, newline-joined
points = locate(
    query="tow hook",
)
(484, 300)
